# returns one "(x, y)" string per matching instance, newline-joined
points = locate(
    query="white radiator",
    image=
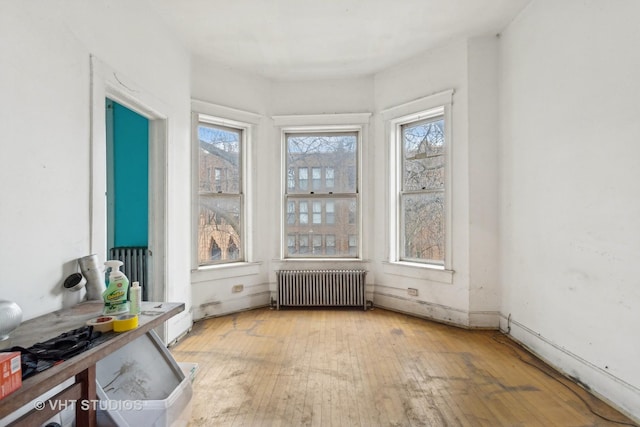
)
(321, 288)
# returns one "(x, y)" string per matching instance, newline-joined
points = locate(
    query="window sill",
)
(224, 271)
(418, 271)
(321, 260)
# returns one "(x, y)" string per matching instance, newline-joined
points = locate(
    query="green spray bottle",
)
(115, 296)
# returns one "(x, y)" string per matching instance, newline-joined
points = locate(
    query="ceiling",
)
(288, 40)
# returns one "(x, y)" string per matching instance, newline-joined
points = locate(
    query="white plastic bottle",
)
(135, 295)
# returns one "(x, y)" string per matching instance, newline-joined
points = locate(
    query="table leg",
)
(86, 413)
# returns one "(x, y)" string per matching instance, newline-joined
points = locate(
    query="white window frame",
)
(314, 196)
(424, 108)
(348, 122)
(247, 122)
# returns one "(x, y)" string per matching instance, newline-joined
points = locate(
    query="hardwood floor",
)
(375, 368)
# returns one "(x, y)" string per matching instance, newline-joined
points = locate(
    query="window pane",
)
(291, 178)
(303, 175)
(317, 244)
(219, 151)
(352, 212)
(317, 212)
(304, 213)
(330, 244)
(316, 176)
(341, 226)
(330, 212)
(353, 244)
(329, 179)
(317, 151)
(291, 212)
(424, 229)
(291, 243)
(423, 155)
(219, 237)
(304, 244)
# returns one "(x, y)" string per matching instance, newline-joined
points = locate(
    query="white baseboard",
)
(245, 302)
(602, 383)
(437, 312)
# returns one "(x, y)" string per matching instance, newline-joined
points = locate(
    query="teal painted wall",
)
(130, 177)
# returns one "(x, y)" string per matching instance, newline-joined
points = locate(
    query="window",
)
(291, 179)
(316, 176)
(304, 244)
(352, 212)
(232, 249)
(330, 240)
(336, 154)
(216, 252)
(353, 243)
(317, 244)
(303, 175)
(317, 212)
(422, 191)
(420, 137)
(291, 212)
(330, 214)
(220, 195)
(328, 177)
(304, 212)
(291, 243)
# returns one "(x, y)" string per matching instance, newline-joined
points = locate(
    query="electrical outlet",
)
(413, 292)
(237, 288)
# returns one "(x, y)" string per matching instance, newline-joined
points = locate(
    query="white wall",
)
(44, 123)
(45, 127)
(323, 96)
(484, 289)
(569, 176)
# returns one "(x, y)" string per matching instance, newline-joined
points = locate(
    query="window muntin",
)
(220, 197)
(330, 161)
(422, 191)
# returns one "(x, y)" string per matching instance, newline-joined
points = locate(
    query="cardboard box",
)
(11, 373)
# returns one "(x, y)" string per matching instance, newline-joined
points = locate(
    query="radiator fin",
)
(321, 288)
(135, 265)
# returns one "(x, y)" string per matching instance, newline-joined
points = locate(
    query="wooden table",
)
(81, 366)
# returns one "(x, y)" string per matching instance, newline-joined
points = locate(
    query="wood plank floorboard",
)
(376, 368)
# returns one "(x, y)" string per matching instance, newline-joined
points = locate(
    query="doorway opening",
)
(127, 141)
(109, 85)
